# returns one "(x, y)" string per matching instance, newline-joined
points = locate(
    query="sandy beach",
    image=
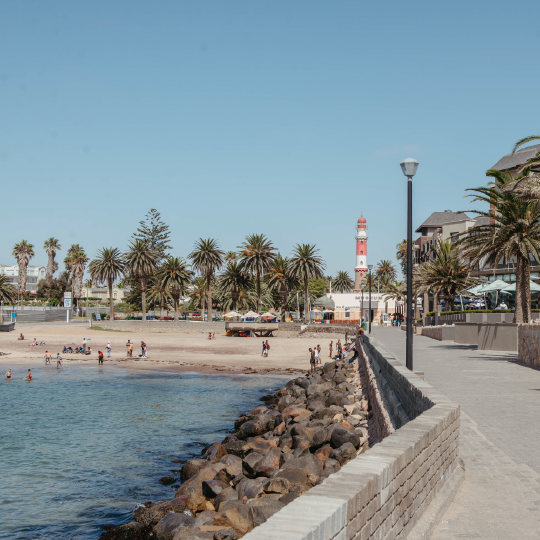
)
(189, 352)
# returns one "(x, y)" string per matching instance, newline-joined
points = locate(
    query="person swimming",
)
(8, 374)
(29, 376)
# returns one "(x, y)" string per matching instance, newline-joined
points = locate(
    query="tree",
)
(342, 282)
(108, 267)
(23, 251)
(207, 260)
(140, 262)
(78, 260)
(280, 278)
(8, 294)
(232, 281)
(198, 294)
(256, 256)
(155, 233)
(174, 276)
(51, 246)
(513, 232)
(306, 264)
(402, 256)
(230, 257)
(386, 268)
(158, 294)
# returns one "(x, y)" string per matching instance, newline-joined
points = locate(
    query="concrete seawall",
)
(384, 492)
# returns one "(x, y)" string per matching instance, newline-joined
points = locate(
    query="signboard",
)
(67, 302)
(68, 294)
(13, 316)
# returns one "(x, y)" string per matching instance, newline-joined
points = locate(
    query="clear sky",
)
(287, 118)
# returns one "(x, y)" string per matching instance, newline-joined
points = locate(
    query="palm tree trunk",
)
(209, 282)
(435, 301)
(306, 302)
(234, 295)
(259, 299)
(111, 303)
(142, 284)
(22, 273)
(202, 307)
(176, 301)
(526, 296)
(518, 312)
(161, 306)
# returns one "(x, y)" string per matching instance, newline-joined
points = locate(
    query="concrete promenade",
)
(500, 436)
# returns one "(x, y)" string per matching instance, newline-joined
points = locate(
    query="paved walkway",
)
(500, 436)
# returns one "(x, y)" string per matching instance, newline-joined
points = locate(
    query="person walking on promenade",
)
(100, 358)
(128, 345)
(47, 358)
(58, 360)
(312, 359)
(84, 345)
(109, 349)
(267, 345)
(331, 348)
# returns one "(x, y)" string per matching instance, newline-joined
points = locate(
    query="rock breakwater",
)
(300, 435)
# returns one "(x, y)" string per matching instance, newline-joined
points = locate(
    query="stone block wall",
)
(529, 344)
(382, 493)
(440, 333)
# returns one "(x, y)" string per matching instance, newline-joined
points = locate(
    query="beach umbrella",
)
(493, 286)
(251, 315)
(232, 314)
(475, 290)
(512, 288)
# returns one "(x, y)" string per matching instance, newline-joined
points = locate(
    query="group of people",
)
(265, 349)
(28, 376)
(129, 349)
(211, 335)
(48, 359)
(342, 352)
(34, 343)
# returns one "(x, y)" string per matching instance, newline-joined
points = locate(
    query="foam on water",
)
(82, 446)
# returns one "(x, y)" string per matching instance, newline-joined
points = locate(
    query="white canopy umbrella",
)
(497, 285)
(232, 314)
(475, 290)
(251, 315)
(512, 288)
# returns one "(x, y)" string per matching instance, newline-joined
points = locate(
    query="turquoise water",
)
(82, 446)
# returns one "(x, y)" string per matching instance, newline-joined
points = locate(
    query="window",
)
(347, 314)
(115, 295)
(454, 237)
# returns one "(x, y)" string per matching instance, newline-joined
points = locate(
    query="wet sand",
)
(187, 352)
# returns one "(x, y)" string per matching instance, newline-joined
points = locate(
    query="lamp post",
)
(370, 266)
(409, 166)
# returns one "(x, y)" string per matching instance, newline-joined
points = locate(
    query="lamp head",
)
(370, 266)
(409, 166)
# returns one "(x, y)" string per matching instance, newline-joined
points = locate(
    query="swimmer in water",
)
(8, 375)
(29, 376)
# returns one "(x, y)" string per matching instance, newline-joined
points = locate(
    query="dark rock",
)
(269, 463)
(269, 397)
(261, 409)
(323, 453)
(212, 488)
(150, 515)
(205, 518)
(238, 517)
(296, 477)
(240, 421)
(215, 452)
(249, 463)
(333, 400)
(285, 441)
(194, 484)
(263, 509)
(228, 494)
(257, 426)
(251, 488)
(234, 448)
(309, 463)
(193, 534)
(237, 479)
(229, 438)
(320, 437)
(230, 472)
(258, 445)
(286, 457)
(341, 435)
(226, 534)
(289, 497)
(171, 524)
(278, 485)
(316, 405)
(344, 453)
(191, 467)
(301, 442)
(229, 459)
(331, 465)
(167, 480)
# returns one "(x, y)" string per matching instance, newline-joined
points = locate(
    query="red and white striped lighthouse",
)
(361, 268)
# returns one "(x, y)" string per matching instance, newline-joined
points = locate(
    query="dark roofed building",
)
(437, 219)
(512, 161)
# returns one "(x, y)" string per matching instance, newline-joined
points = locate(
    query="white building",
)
(349, 306)
(33, 274)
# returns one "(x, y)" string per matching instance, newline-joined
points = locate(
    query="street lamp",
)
(370, 266)
(409, 166)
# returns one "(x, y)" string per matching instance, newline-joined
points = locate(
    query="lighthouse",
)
(361, 268)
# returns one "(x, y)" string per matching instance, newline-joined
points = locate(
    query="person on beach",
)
(131, 349)
(209, 335)
(8, 374)
(128, 345)
(34, 343)
(316, 353)
(47, 358)
(339, 348)
(58, 360)
(29, 376)
(108, 349)
(263, 354)
(143, 349)
(319, 355)
(312, 359)
(20, 338)
(84, 345)
(331, 348)
(267, 345)
(213, 335)
(100, 358)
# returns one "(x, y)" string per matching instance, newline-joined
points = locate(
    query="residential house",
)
(33, 274)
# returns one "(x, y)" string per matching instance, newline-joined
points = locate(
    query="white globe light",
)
(409, 166)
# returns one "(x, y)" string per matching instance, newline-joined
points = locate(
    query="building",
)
(103, 293)
(33, 274)
(361, 269)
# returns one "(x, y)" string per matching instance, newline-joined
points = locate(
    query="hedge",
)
(431, 313)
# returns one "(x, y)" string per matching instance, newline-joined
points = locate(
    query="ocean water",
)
(81, 446)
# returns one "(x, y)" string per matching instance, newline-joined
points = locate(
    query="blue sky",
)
(238, 117)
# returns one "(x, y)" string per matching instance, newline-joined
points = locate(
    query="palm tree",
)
(7, 291)
(230, 257)
(306, 264)
(446, 274)
(197, 293)
(342, 282)
(281, 278)
(233, 280)
(174, 276)
(386, 268)
(107, 267)
(256, 256)
(401, 255)
(23, 251)
(513, 231)
(51, 246)
(140, 262)
(207, 260)
(78, 262)
(157, 294)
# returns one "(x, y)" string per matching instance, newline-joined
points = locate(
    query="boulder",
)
(320, 437)
(212, 488)
(237, 516)
(229, 459)
(344, 453)
(171, 524)
(231, 471)
(341, 435)
(226, 534)
(293, 411)
(316, 405)
(262, 509)
(251, 488)
(257, 426)
(215, 452)
(194, 484)
(278, 485)
(261, 409)
(259, 445)
(313, 465)
(249, 463)
(289, 497)
(152, 514)
(193, 534)
(298, 478)
(191, 467)
(302, 382)
(239, 421)
(285, 441)
(195, 501)
(228, 494)
(323, 453)
(269, 463)
(205, 518)
(280, 429)
(234, 447)
(303, 417)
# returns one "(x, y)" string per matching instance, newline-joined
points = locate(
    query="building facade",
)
(33, 274)
(103, 293)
